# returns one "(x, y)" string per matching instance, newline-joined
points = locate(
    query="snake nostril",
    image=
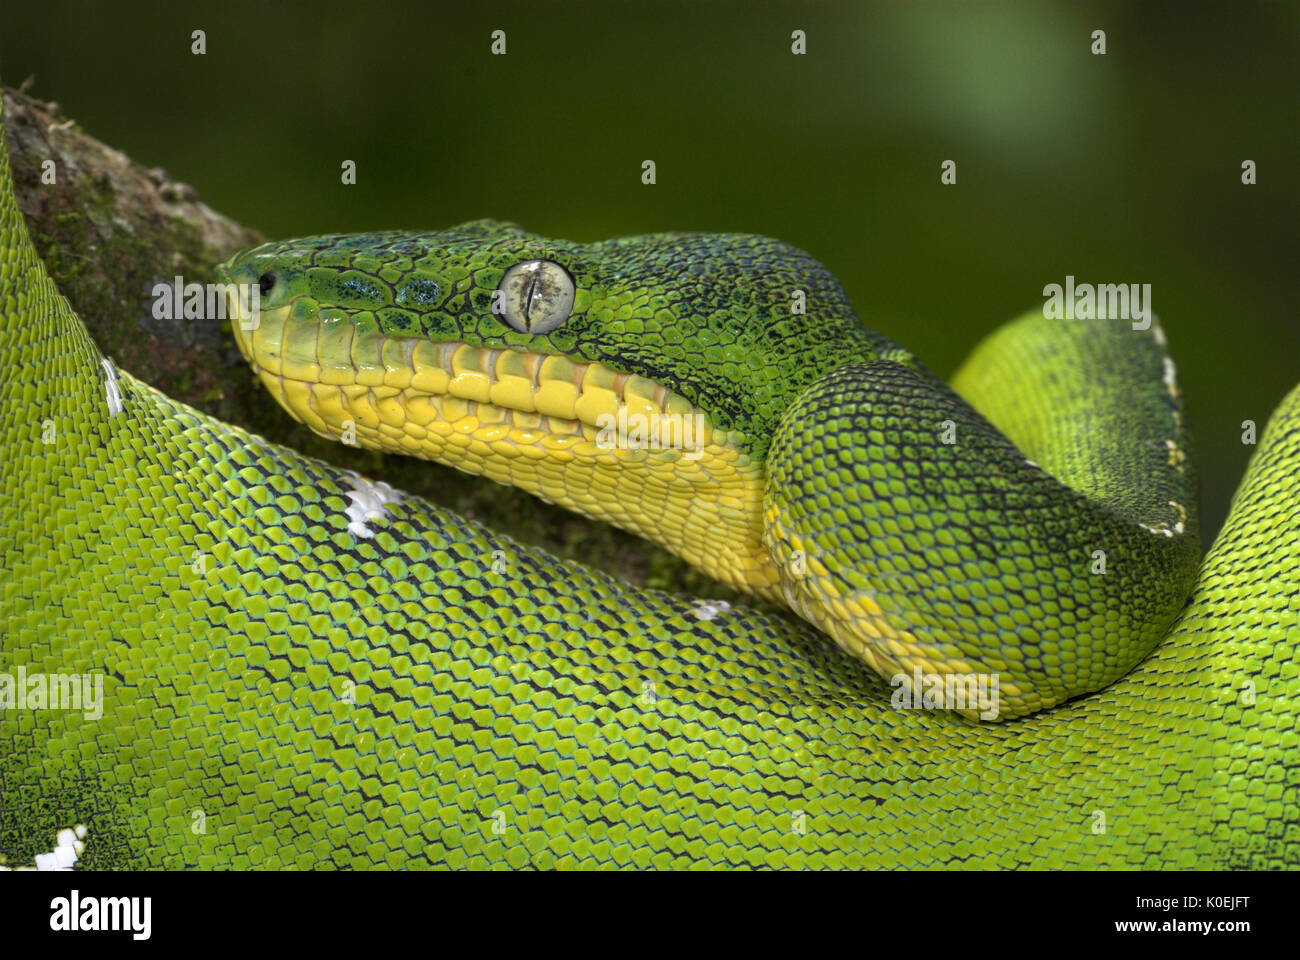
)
(265, 282)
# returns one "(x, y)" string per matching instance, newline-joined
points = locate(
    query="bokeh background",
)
(1117, 168)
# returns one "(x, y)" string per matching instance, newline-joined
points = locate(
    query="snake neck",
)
(910, 527)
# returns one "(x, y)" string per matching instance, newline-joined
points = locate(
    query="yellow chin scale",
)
(613, 446)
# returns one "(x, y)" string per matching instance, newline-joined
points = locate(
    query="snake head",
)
(735, 324)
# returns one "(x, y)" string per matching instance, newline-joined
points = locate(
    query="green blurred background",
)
(1117, 168)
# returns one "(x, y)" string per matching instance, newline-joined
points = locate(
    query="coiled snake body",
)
(304, 669)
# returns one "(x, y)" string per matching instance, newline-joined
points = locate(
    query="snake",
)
(303, 668)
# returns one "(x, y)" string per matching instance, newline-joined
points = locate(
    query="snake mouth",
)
(397, 391)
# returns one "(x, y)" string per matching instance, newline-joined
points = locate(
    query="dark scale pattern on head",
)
(692, 312)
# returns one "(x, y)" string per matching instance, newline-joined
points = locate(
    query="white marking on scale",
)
(1164, 529)
(709, 609)
(68, 846)
(110, 386)
(369, 501)
(1171, 375)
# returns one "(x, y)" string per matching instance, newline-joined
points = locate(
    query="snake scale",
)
(304, 669)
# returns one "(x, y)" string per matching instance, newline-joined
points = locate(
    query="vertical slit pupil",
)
(531, 300)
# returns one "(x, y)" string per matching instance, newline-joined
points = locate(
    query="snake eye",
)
(265, 282)
(534, 296)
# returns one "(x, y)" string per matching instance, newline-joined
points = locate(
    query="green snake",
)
(304, 668)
